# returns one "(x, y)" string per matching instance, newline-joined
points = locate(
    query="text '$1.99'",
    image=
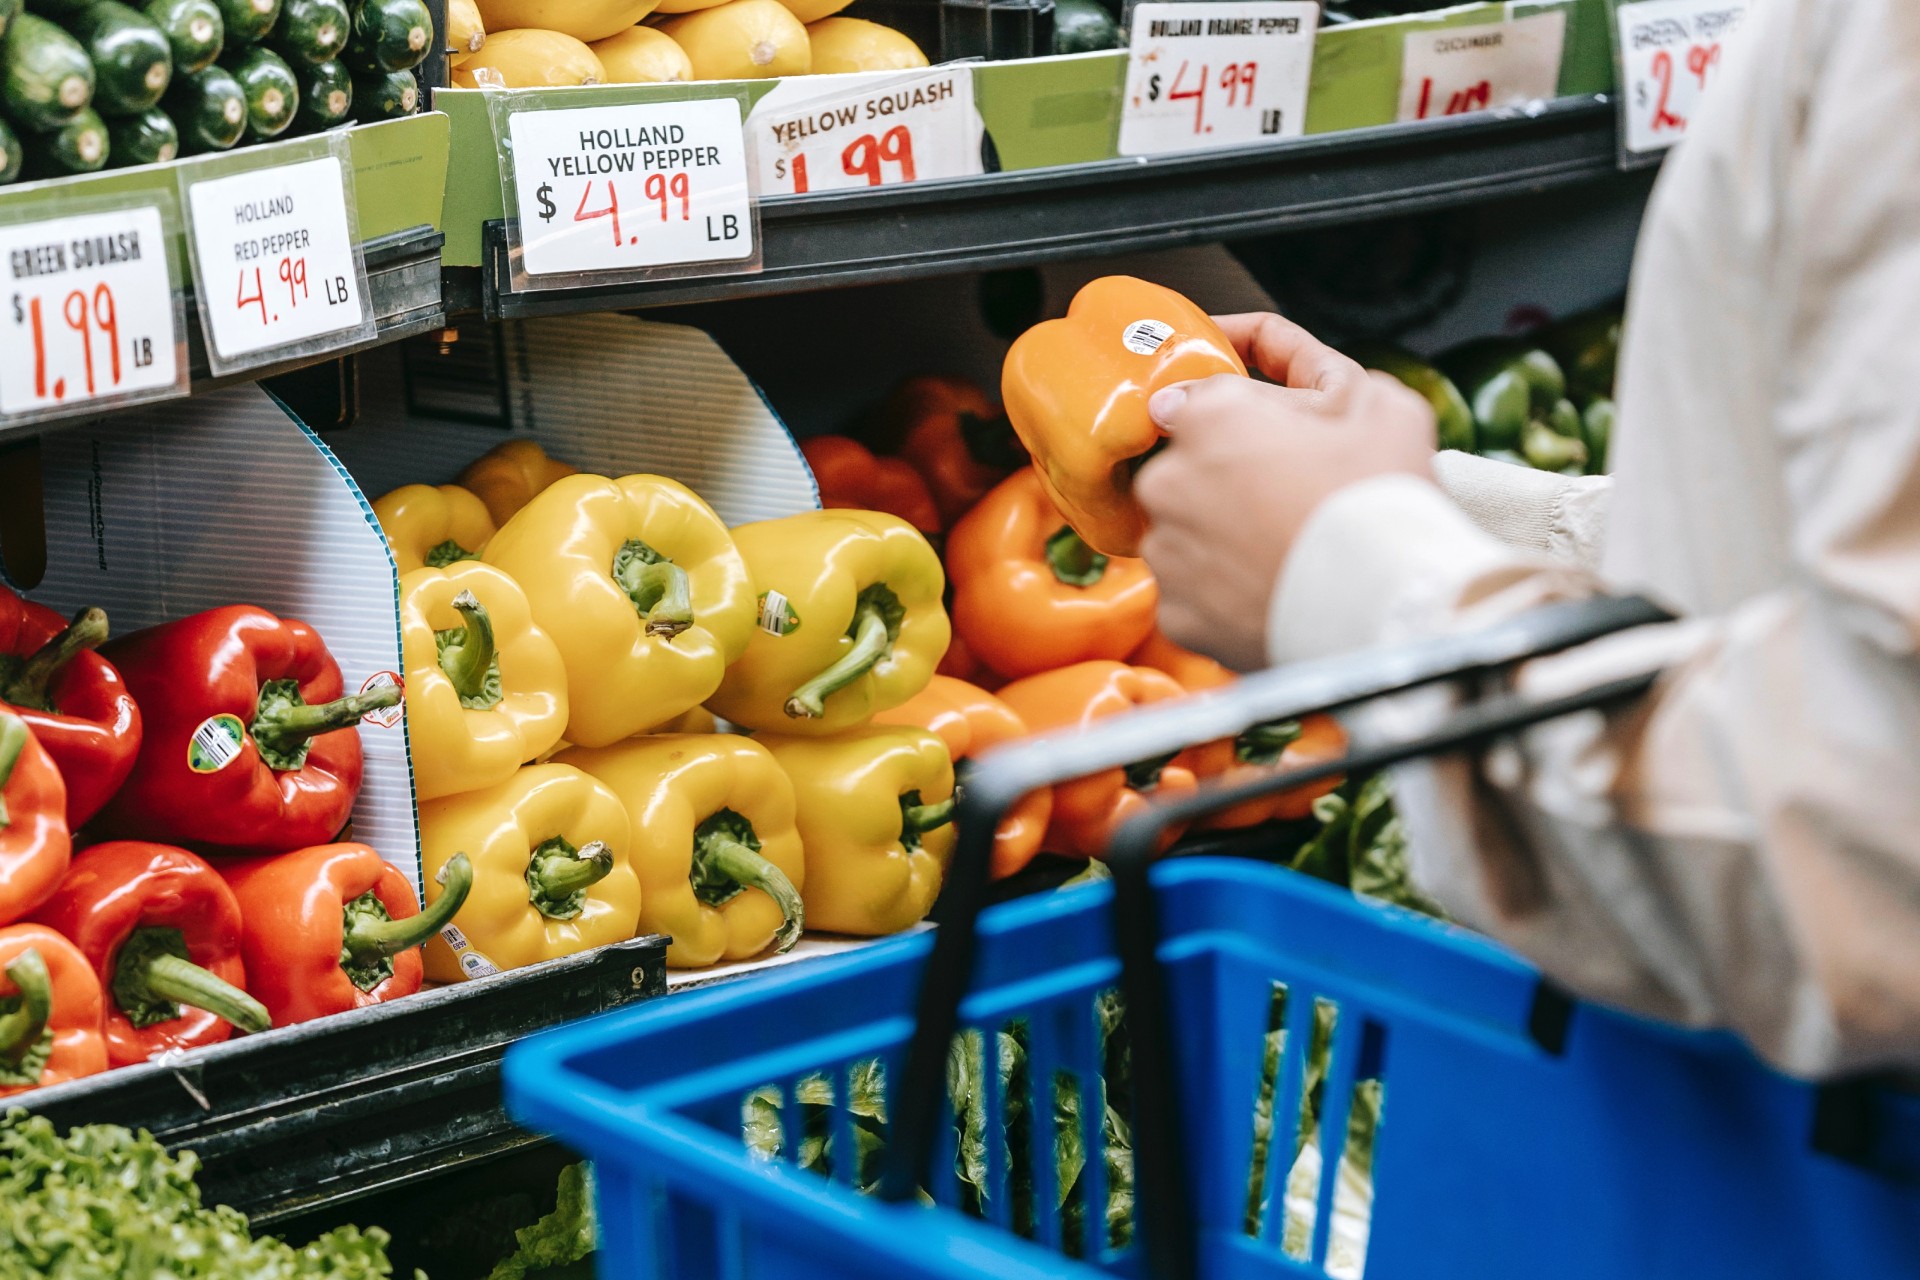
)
(92, 316)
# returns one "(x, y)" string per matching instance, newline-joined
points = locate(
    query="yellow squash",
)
(811, 11)
(432, 525)
(854, 44)
(643, 55)
(743, 40)
(585, 20)
(466, 31)
(530, 59)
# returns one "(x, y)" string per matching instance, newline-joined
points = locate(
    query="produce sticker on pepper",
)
(1216, 74)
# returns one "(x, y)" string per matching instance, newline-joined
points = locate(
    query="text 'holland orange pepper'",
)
(1087, 810)
(1076, 389)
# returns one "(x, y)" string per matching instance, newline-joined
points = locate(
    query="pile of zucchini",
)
(91, 84)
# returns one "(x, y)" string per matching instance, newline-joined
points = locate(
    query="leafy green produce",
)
(564, 1236)
(105, 1203)
(1362, 844)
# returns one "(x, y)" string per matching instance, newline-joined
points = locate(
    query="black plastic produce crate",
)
(300, 1118)
(947, 30)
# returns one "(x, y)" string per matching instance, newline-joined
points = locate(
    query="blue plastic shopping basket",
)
(1518, 1135)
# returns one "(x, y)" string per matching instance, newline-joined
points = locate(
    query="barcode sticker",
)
(216, 743)
(471, 962)
(1144, 337)
(777, 617)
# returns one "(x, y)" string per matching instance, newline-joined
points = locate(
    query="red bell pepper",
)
(162, 931)
(50, 1010)
(72, 698)
(34, 845)
(335, 927)
(249, 746)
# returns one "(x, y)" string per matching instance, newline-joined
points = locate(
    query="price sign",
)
(891, 131)
(1670, 51)
(1456, 70)
(277, 267)
(90, 315)
(619, 188)
(1216, 75)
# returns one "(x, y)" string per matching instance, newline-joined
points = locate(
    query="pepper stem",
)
(367, 939)
(30, 685)
(922, 818)
(871, 641)
(558, 876)
(20, 1031)
(448, 552)
(468, 655)
(152, 978)
(1072, 560)
(718, 857)
(13, 741)
(283, 724)
(1264, 743)
(657, 586)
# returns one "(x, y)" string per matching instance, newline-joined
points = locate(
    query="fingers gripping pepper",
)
(972, 721)
(717, 851)
(162, 931)
(249, 745)
(73, 699)
(851, 477)
(1087, 810)
(639, 585)
(551, 874)
(875, 811)
(1029, 595)
(433, 525)
(35, 847)
(1077, 388)
(957, 438)
(486, 689)
(850, 622)
(509, 476)
(50, 1011)
(335, 927)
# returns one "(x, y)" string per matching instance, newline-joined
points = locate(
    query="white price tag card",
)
(1455, 70)
(1216, 74)
(277, 266)
(1670, 52)
(91, 317)
(628, 188)
(890, 130)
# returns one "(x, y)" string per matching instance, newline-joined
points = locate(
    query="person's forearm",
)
(1564, 517)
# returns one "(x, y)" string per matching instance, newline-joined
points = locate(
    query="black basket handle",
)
(1002, 777)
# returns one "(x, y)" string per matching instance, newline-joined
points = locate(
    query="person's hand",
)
(1247, 462)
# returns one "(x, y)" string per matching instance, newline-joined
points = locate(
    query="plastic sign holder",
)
(879, 130)
(92, 316)
(1203, 74)
(624, 190)
(1452, 71)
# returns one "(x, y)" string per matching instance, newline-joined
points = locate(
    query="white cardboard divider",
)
(227, 499)
(608, 393)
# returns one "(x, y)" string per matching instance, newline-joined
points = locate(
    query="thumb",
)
(1165, 406)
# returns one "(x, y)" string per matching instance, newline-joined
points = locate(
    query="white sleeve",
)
(1564, 517)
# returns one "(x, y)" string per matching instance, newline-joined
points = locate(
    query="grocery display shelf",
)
(303, 1118)
(1114, 206)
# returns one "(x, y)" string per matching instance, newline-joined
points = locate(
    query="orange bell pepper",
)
(1291, 744)
(970, 721)
(1077, 388)
(852, 478)
(956, 438)
(53, 1032)
(1087, 810)
(1029, 595)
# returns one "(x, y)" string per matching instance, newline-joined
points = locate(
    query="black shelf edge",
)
(1035, 215)
(303, 1118)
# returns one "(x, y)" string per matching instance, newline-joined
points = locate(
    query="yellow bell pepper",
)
(432, 525)
(875, 809)
(640, 586)
(550, 871)
(509, 476)
(713, 821)
(486, 691)
(850, 622)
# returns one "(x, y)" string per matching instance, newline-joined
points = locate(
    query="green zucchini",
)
(9, 10)
(273, 95)
(389, 35)
(326, 96)
(148, 138)
(1082, 26)
(12, 155)
(55, 9)
(46, 78)
(311, 31)
(78, 146)
(209, 108)
(132, 61)
(194, 30)
(386, 97)
(248, 21)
